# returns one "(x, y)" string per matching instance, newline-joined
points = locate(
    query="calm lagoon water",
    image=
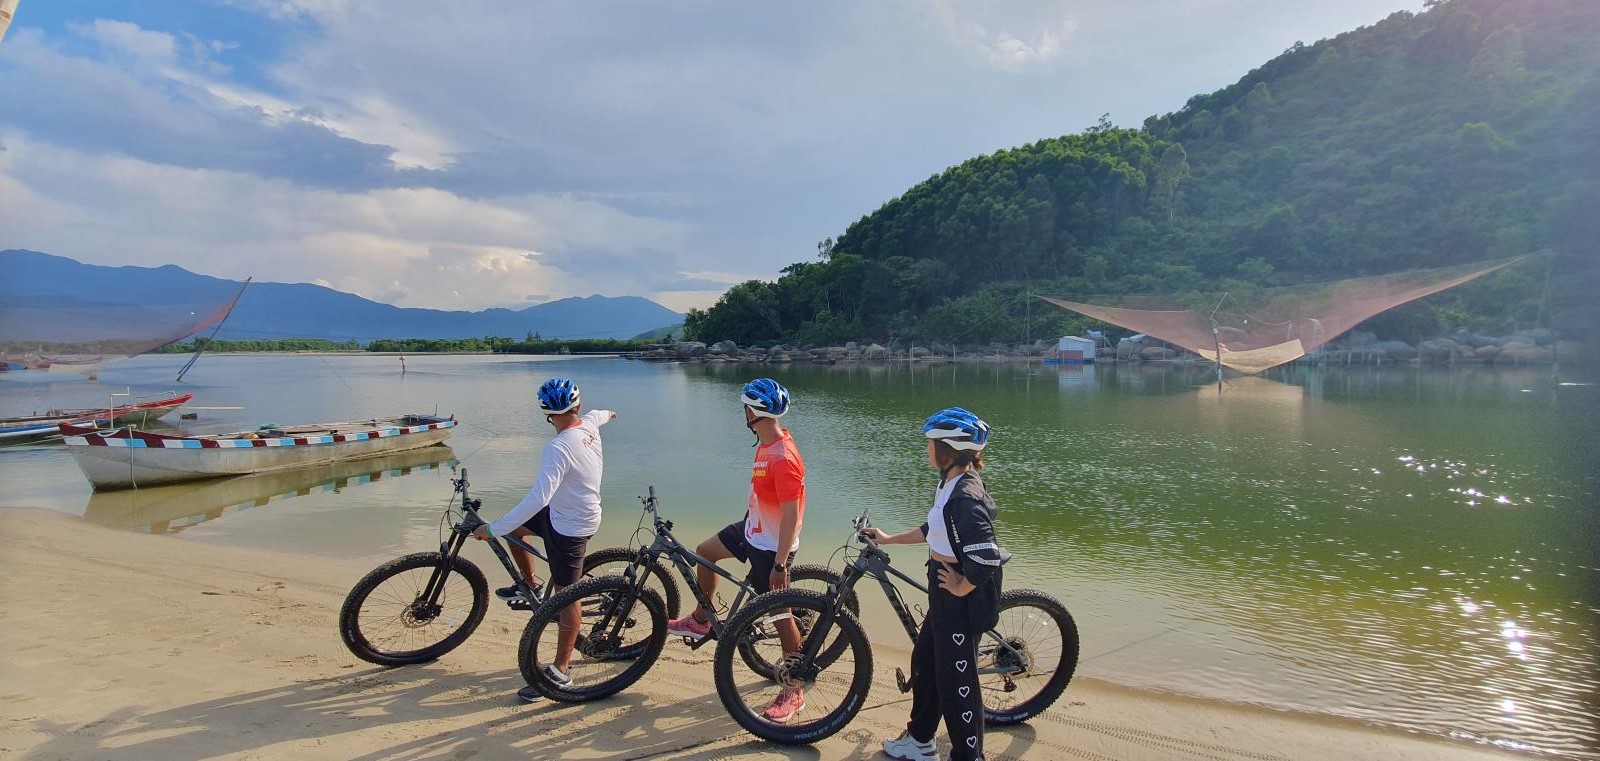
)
(1407, 547)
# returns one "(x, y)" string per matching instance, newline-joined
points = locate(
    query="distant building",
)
(1071, 350)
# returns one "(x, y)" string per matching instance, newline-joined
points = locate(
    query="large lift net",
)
(75, 332)
(1252, 330)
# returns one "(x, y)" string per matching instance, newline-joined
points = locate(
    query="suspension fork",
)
(615, 616)
(448, 551)
(837, 593)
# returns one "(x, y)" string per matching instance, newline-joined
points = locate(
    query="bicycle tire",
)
(1039, 660)
(359, 630)
(597, 593)
(666, 586)
(841, 694)
(802, 573)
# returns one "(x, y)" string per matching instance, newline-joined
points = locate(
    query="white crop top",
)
(938, 535)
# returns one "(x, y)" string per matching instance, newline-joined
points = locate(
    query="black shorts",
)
(761, 561)
(565, 552)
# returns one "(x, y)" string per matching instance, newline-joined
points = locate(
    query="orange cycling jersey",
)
(777, 476)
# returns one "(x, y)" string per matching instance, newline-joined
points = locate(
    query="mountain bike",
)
(625, 622)
(1024, 662)
(416, 608)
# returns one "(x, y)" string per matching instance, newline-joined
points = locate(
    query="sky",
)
(466, 154)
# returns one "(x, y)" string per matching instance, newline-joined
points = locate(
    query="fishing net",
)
(77, 332)
(1255, 329)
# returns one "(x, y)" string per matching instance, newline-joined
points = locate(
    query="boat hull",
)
(38, 426)
(144, 460)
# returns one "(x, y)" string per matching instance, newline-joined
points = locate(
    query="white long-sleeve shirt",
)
(568, 482)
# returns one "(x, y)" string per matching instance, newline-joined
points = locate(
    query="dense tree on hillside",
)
(1459, 134)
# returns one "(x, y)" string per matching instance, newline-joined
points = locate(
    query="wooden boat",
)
(160, 509)
(125, 458)
(33, 426)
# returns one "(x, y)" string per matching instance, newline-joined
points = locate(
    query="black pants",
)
(944, 674)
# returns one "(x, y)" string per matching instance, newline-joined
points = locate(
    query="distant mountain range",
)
(302, 310)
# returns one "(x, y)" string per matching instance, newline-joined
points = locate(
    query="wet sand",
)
(131, 646)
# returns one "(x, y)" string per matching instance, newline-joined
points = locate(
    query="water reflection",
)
(1332, 539)
(164, 509)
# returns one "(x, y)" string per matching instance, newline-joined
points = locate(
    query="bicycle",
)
(1034, 646)
(418, 607)
(615, 647)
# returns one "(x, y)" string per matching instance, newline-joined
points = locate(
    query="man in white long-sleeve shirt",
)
(563, 509)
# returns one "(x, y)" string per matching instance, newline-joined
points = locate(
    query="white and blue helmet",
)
(558, 395)
(957, 427)
(765, 397)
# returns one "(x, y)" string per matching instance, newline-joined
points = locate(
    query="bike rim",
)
(1017, 666)
(395, 620)
(828, 690)
(608, 644)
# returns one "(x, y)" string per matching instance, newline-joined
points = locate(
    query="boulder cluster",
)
(1525, 347)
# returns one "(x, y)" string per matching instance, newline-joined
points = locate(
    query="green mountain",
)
(1462, 133)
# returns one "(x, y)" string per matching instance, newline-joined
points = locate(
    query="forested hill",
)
(1462, 133)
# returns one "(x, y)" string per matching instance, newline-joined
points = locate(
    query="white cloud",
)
(409, 246)
(128, 38)
(971, 25)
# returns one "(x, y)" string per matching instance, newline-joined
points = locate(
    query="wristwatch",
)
(783, 568)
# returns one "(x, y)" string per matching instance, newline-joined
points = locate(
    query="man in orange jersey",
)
(777, 507)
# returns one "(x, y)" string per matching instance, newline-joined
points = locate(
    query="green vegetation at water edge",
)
(272, 344)
(533, 345)
(1462, 133)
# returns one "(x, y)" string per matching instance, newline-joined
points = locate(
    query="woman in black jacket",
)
(964, 562)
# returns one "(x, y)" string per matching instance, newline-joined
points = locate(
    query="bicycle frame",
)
(875, 563)
(459, 533)
(685, 561)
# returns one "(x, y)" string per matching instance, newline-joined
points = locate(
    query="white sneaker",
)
(907, 749)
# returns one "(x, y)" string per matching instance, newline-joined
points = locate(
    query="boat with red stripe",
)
(49, 422)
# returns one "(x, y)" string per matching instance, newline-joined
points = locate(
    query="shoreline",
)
(140, 646)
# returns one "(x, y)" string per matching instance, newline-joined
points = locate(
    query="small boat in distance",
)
(49, 422)
(126, 459)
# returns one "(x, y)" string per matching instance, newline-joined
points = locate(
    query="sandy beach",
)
(131, 646)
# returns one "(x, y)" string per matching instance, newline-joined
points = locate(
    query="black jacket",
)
(969, 520)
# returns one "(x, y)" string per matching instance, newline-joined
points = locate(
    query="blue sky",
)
(473, 153)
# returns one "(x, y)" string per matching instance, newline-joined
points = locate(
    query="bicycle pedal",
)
(696, 644)
(901, 681)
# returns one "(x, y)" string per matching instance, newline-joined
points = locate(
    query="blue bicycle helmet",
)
(558, 395)
(765, 397)
(958, 428)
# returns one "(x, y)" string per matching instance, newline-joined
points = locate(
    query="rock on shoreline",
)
(1538, 346)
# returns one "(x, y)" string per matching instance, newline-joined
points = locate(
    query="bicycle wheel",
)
(815, 578)
(1026, 660)
(386, 620)
(834, 692)
(619, 640)
(614, 560)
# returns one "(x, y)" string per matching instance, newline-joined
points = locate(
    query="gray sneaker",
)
(554, 675)
(907, 749)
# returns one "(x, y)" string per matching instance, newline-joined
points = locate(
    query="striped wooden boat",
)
(126, 458)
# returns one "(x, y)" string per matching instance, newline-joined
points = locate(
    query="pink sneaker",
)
(690, 627)
(788, 703)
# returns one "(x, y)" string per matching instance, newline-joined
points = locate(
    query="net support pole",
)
(199, 348)
(1216, 342)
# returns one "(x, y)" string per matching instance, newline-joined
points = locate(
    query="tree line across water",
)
(532, 345)
(1459, 134)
